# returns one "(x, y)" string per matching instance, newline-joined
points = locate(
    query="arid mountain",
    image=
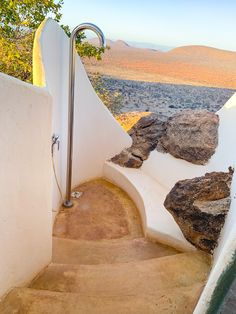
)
(193, 65)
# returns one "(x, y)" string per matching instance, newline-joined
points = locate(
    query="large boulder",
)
(192, 135)
(199, 206)
(146, 134)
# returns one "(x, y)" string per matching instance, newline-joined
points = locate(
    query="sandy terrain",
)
(190, 77)
(193, 65)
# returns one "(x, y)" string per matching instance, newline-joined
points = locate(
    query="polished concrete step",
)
(66, 251)
(132, 278)
(177, 300)
(103, 211)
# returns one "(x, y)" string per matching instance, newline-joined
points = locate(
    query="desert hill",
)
(194, 65)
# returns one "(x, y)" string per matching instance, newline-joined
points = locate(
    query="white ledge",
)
(149, 197)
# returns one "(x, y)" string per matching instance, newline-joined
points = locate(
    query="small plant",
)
(84, 48)
(112, 100)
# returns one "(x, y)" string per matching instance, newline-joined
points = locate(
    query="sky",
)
(163, 22)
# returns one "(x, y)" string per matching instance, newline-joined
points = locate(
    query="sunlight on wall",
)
(38, 67)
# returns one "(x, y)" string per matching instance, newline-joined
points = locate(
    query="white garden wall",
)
(25, 182)
(97, 135)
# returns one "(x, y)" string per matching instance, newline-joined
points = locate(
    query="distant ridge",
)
(197, 51)
(111, 43)
(133, 44)
(150, 46)
(121, 43)
(193, 65)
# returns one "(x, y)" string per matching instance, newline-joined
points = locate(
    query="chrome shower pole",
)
(72, 55)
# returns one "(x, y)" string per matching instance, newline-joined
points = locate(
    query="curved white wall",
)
(97, 135)
(25, 182)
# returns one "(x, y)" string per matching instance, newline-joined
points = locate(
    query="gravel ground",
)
(167, 98)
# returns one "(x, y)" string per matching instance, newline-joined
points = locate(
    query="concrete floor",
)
(103, 211)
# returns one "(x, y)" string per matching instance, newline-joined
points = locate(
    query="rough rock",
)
(192, 135)
(199, 206)
(127, 159)
(146, 134)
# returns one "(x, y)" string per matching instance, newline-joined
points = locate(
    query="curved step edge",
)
(22, 300)
(146, 276)
(82, 252)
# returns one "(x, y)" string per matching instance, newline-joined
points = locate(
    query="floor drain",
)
(76, 194)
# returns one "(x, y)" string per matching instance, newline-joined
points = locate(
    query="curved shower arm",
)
(88, 26)
(72, 54)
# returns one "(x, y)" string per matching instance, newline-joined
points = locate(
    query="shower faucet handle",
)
(55, 141)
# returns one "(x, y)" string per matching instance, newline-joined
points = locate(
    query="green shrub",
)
(112, 100)
(19, 20)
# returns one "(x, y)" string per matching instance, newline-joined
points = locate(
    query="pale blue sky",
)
(164, 22)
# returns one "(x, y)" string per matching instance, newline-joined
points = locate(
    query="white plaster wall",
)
(97, 135)
(25, 182)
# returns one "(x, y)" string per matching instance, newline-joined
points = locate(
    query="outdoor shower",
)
(72, 55)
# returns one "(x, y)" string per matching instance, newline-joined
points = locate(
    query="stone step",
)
(164, 301)
(66, 251)
(122, 279)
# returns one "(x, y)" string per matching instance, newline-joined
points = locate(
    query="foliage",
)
(19, 17)
(16, 57)
(85, 49)
(18, 21)
(113, 100)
